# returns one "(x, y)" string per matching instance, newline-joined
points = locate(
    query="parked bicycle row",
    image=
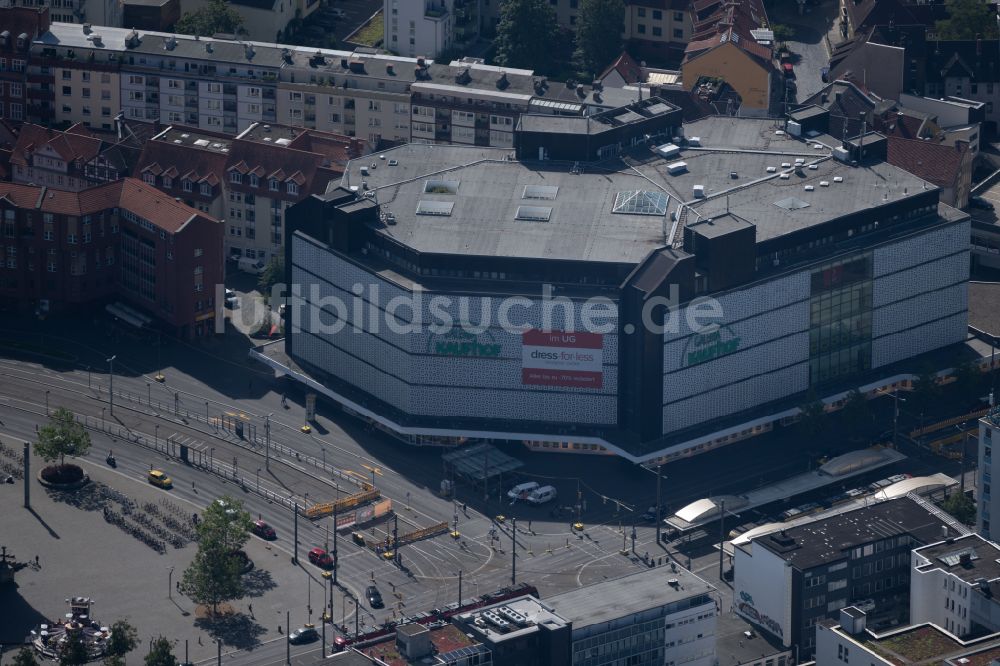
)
(142, 535)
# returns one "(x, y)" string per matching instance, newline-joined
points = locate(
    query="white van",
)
(542, 495)
(255, 266)
(522, 490)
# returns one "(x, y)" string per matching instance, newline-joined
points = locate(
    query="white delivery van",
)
(542, 495)
(522, 490)
(255, 266)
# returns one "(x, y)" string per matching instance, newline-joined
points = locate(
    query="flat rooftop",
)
(445, 639)
(532, 613)
(969, 558)
(928, 645)
(983, 311)
(454, 200)
(823, 541)
(192, 137)
(479, 201)
(621, 597)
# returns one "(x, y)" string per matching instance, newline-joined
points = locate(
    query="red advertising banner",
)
(560, 358)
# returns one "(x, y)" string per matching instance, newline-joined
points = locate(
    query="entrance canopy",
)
(481, 462)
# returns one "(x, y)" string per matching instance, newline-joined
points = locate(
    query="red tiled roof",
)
(934, 162)
(627, 68)
(144, 200)
(70, 145)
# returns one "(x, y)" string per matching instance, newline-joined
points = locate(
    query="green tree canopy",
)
(62, 436)
(73, 651)
(113, 660)
(961, 507)
(524, 33)
(214, 17)
(214, 575)
(161, 654)
(967, 19)
(274, 272)
(925, 390)
(968, 381)
(857, 414)
(599, 34)
(812, 418)
(124, 638)
(25, 657)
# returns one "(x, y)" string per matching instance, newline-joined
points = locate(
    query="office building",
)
(788, 581)
(122, 240)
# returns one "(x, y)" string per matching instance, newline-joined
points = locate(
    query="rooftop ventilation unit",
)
(694, 141)
(677, 168)
(533, 213)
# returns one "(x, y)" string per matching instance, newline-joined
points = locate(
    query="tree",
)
(968, 380)
(524, 33)
(782, 32)
(925, 390)
(967, 19)
(858, 415)
(62, 436)
(273, 273)
(25, 657)
(123, 639)
(113, 660)
(214, 17)
(214, 575)
(961, 507)
(161, 654)
(73, 651)
(599, 34)
(812, 416)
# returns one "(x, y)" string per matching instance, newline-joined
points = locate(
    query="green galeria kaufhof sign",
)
(462, 343)
(702, 347)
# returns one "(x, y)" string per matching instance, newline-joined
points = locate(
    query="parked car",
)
(542, 495)
(159, 479)
(374, 597)
(650, 514)
(263, 530)
(306, 634)
(321, 558)
(522, 490)
(981, 203)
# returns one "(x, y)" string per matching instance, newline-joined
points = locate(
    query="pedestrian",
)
(37, 564)
(250, 607)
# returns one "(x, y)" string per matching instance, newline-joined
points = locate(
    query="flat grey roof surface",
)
(731, 165)
(945, 556)
(618, 597)
(581, 225)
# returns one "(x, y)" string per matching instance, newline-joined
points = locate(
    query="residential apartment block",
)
(429, 27)
(655, 30)
(73, 160)
(988, 503)
(249, 181)
(19, 27)
(122, 240)
(98, 12)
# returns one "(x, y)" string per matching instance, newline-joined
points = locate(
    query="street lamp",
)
(170, 582)
(659, 479)
(895, 414)
(267, 440)
(111, 382)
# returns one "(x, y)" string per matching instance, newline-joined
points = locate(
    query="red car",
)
(321, 558)
(263, 530)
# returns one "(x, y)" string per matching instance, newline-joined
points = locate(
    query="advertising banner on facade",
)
(557, 358)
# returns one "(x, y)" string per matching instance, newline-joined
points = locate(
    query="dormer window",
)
(149, 178)
(168, 181)
(236, 177)
(293, 188)
(254, 181)
(273, 185)
(186, 185)
(206, 189)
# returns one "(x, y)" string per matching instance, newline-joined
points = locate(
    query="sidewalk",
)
(80, 554)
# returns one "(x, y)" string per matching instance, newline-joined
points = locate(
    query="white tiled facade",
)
(402, 369)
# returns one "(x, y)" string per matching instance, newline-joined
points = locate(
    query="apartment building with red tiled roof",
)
(119, 241)
(247, 181)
